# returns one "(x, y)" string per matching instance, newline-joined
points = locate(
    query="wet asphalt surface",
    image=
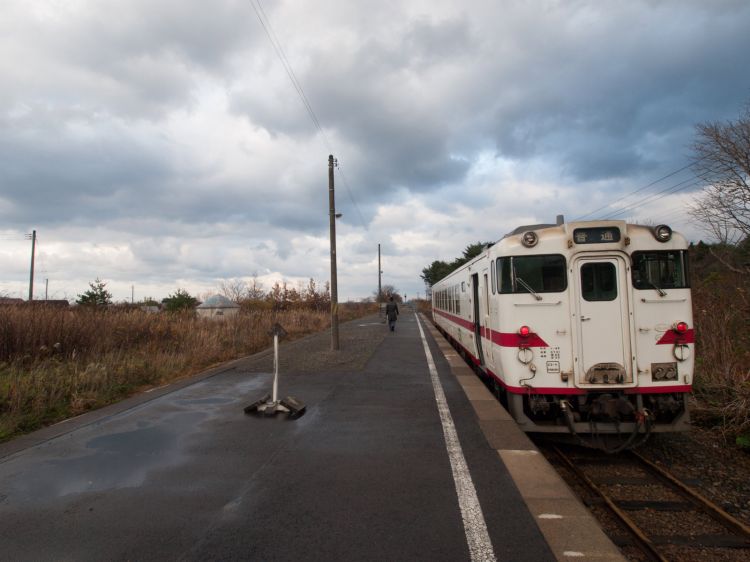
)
(363, 475)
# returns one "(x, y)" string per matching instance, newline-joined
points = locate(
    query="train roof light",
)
(524, 331)
(681, 327)
(529, 239)
(663, 233)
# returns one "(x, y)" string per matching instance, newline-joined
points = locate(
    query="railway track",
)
(646, 511)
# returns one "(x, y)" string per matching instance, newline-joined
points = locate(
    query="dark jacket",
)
(391, 311)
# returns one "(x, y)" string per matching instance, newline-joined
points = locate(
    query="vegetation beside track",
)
(56, 363)
(721, 310)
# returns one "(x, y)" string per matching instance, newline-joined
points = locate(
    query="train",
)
(583, 328)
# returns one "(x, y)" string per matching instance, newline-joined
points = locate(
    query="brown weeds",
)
(722, 381)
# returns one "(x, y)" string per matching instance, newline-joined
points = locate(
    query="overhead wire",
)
(640, 189)
(675, 188)
(278, 48)
(265, 22)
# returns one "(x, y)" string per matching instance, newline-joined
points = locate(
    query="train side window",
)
(599, 281)
(463, 286)
(492, 275)
(457, 294)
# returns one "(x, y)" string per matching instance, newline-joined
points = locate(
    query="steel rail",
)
(709, 507)
(647, 546)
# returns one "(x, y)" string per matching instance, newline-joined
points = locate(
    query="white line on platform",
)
(477, 537)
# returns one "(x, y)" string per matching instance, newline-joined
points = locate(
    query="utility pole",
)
(132, 294)
(380, 272)
(31, 276)
(380, 286)
(334, 283)
(46, 289)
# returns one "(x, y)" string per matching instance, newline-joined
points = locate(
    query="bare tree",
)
(722, 158)
(255, 291)
(388, 291)
(234, 289)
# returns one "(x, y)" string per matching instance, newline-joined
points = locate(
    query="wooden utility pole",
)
(334, 284)
(31, 276)
(380, 272)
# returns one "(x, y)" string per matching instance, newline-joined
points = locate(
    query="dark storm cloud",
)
(371, 98)
(174, 120)
(607, 91)
(135, 59)
(53, 175)
(597, 90)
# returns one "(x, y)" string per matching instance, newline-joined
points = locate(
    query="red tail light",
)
(681, 328)
(524, 331)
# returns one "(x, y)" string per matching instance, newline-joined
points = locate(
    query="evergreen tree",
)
(181, 300)
(97, 294)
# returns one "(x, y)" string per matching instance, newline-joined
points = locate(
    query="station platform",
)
(402, 454)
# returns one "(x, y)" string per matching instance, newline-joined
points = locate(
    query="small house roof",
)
(218, 301)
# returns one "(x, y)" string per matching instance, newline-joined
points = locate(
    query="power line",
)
(669, 175)
(695, 180)
(265, 22)
(351, 198)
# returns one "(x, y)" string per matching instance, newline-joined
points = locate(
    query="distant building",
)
(217, 306)
(60, 303)
(8, 301)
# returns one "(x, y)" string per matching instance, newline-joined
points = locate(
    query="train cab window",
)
(541, 274)
(599, 281)
(660, 270)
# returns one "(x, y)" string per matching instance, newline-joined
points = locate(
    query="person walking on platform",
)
(391, 313)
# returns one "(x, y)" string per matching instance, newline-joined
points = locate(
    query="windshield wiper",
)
(526, 286)
(662, 292)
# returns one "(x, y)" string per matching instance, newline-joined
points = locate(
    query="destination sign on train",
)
(596, 235)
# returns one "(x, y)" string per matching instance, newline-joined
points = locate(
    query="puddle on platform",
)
(121, 451)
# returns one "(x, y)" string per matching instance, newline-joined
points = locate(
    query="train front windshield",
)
(663, 270)
(540, 274)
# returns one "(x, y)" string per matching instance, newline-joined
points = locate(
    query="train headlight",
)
(524, 331)
(529, 239)
(663, 233)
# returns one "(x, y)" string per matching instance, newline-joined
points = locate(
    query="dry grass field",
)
(56, 363)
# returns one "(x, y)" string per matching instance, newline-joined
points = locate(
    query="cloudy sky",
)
(161, 144)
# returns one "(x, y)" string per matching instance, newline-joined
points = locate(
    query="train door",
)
(477, 317)
(603, 321)
(486, 314)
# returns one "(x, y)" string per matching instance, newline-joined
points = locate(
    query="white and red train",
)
(582, 327)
